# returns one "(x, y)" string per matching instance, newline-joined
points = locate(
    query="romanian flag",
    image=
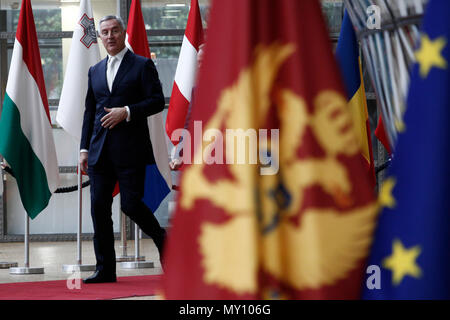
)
(276, 204)
(347, 54)
(412, 240)
(26, 138)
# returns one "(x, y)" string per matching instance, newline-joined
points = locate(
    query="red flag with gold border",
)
(276, 204)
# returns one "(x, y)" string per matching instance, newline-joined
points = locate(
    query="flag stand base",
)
(129, 258)
(137, 265)
(26, 270)
(70, 268)
(7, 265)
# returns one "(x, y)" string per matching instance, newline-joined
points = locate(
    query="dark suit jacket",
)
(137, 86)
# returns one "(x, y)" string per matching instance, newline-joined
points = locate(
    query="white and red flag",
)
(186, 72)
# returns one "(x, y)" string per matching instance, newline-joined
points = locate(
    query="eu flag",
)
(412, 241)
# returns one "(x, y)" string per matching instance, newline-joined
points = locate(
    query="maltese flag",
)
(84, 53)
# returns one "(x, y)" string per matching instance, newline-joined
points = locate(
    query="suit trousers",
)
(103, 177)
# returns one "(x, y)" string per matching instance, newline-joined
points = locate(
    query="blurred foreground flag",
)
(347, 54)
(412, 240)
(26, 138)
(276, 204)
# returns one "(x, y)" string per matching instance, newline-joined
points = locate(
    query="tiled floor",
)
(53, 255)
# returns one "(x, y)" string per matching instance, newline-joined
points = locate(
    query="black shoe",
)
(100, 277)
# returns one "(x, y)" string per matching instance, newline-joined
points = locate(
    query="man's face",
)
(113, 36)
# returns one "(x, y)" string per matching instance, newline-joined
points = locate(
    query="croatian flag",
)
(158, 179)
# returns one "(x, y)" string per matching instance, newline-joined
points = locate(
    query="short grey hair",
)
(111, 17)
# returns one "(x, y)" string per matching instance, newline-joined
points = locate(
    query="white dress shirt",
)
(111, 70)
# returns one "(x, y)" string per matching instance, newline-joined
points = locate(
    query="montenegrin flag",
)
(158, 179)
(84, 53)
(26, 139)
(186, 72)
(276, 203)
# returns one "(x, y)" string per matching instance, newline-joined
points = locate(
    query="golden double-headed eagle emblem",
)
(305, 248)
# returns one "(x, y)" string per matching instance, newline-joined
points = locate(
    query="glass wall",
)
(54, 20)
(165, 21)
(171, 16)
(334, 12)
(47, 15)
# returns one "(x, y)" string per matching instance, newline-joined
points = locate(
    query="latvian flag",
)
(186, 71)
(26, 140)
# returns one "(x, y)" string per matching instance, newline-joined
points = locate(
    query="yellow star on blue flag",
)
(412, 240)
(429, 54)
(402, 262)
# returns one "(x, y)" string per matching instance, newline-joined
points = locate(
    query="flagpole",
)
(138, 262)
(80, 211)
(27, 242)
(26, 268)
(79, 266)
(4, 264)
(123, 236)
(137, 239)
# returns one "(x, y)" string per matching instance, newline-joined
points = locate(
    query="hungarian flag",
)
(186, 72)
(349, 61)
(25, 126)
(83, 54)
(276, 204)
(158, 179)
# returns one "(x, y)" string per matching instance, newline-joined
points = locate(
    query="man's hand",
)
(114, 116)
(83, 161)
(175, 164)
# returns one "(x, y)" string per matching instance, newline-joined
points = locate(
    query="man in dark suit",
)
(123, 90)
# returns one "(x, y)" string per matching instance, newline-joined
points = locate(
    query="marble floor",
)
(53, 255)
